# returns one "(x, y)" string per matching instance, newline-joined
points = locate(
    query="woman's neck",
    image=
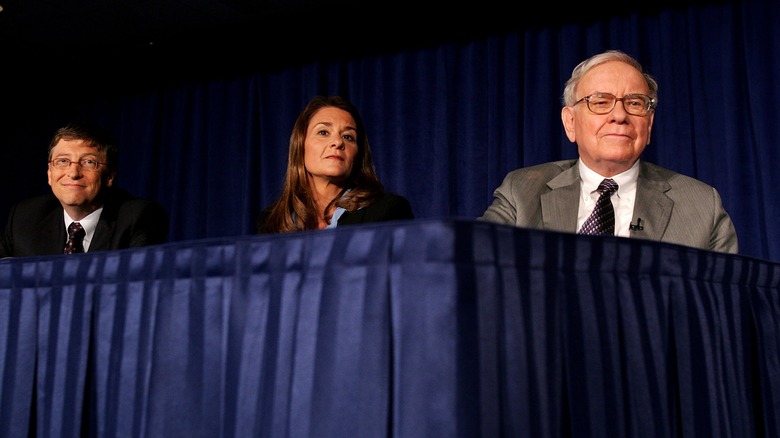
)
(324, 192)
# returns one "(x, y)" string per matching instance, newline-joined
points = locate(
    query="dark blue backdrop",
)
(207, 135)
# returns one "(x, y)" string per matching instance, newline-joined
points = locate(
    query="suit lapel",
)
(560, 204)
(104, 231)
(651, 204)
(352, 218)
(53, 236)
(102, 237)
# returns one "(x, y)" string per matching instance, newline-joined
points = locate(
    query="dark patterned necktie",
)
(75, 242)
(602, 220)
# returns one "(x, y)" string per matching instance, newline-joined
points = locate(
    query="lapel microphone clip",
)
(638, 226)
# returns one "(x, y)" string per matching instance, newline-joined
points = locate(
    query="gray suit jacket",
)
(673, 207)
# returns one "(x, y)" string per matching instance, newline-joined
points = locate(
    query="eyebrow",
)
(330, 125)
(64, 155)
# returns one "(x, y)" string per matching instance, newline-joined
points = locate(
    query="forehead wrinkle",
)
(615, 76)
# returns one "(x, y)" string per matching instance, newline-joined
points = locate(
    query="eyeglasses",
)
(604, 103)
(85, 163)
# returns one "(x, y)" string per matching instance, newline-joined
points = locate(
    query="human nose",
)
(337, 142)
(74, 170)
(619, 111)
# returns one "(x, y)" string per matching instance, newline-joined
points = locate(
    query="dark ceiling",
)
(207, 36)
(103, 27)
(129, 25)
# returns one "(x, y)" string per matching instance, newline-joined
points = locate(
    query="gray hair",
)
(569, 98)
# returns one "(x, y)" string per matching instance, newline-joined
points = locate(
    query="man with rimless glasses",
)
(608, 108)
(81, 172)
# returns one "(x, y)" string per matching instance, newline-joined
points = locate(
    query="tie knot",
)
(76, 230)
(608, 186)
(76, 234)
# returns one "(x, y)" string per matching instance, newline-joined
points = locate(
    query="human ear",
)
(567, 117)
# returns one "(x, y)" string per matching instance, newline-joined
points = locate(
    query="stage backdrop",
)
(447, 118)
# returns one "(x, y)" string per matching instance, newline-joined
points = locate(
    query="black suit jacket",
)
(389, 207)
(35, 226)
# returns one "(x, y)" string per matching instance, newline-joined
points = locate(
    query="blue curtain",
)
(446, 120)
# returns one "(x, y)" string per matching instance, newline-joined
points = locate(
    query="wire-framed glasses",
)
(85, 163)
(634, 104)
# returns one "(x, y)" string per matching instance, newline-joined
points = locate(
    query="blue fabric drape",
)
(446, 120)
(408, 329)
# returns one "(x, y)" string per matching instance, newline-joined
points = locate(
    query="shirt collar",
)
(89, 223)
(590, 179)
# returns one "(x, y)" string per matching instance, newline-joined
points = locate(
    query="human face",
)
(77, 188)
(330, 146)
(609, 143)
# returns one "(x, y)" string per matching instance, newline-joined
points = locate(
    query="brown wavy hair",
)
(295, 209)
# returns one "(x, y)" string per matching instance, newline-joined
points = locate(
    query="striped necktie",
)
(602, 220)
